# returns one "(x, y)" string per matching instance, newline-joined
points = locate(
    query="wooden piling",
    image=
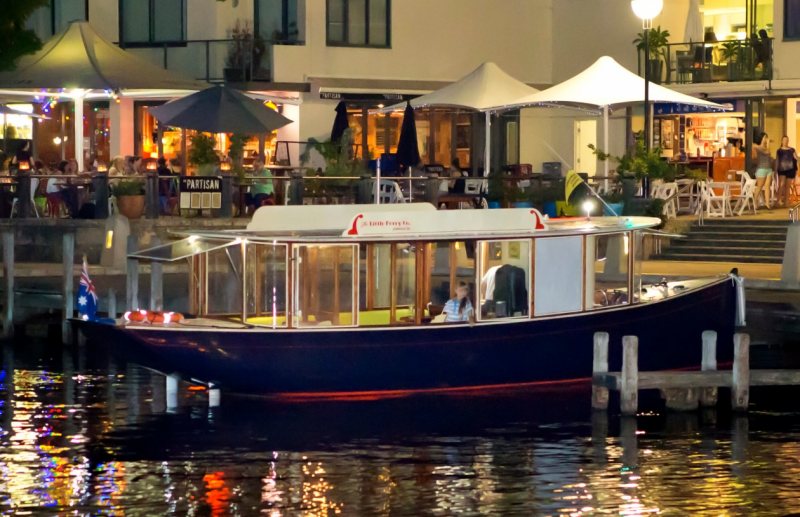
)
(629, 381)
(8, 273)
(740, 384)
(172, 382)
(132, 277)
(68, 263)
(112, 303)
(708, 396)
(600, 366)
(156, 281)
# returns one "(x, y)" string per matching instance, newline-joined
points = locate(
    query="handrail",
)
(794, 213)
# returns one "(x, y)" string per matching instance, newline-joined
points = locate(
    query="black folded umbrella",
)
(340, 123)
(407, 148)
(220, 109)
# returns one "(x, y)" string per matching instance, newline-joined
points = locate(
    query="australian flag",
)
(87, 297)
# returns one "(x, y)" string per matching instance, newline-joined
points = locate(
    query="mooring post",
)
(600, 367)
(214, 396)
(629, 441)
(112, 303)
(708, 396)
(629, 382)
(173, 383)
(68, 263)
(740, 387)
(8, 273)
(156, 281)
(132, 278)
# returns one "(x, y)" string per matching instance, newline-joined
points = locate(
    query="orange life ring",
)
(157, 317)
(136, 316)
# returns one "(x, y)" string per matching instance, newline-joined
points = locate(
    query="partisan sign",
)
(201, 192)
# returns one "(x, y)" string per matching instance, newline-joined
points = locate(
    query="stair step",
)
(689, 257)
(743, 250)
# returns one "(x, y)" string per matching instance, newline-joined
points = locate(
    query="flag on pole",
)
(571, 183)
(87, 296)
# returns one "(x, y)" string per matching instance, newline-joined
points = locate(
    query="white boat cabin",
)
(379, 265)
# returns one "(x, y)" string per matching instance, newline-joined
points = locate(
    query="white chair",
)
(389, 192)
(746, 198)
(711, 203)
(15, 202)
(687, 198)
(669, 193)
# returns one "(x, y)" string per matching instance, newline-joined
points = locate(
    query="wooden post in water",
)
(740, 387)
(68, 263)
(172, 381)
(112, 303)
(600, 366)
(708, 396)
(132, 278)
(629, 381)
(156, 281)
(8, 273)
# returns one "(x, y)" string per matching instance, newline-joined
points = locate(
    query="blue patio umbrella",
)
(340, 123)
(407, 147)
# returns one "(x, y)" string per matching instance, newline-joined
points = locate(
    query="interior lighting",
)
(57, 140)
(109, 239)
(588, 206)
(151, 166)
(647, 9)
(101, 167)
(24, 165)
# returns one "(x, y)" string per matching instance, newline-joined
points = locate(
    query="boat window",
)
(266, 284)
(388, 283)
(558, 266)
(223, 293)
(505, 278)
(324, 285)
(606, 270)
(450, 264)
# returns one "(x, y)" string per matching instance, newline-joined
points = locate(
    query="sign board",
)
(200, 192)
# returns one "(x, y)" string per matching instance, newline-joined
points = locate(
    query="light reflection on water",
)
(99, 440)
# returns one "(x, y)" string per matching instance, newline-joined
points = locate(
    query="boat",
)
(346, 301)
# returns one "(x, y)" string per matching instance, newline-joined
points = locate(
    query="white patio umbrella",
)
(694, 31)
(482, 89)
(606, 85)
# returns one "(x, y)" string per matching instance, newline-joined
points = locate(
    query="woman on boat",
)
(459, 309)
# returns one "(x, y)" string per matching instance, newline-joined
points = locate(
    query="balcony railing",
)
(216, 60)
(735, 60)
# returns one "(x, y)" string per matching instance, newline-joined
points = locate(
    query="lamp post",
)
(646, 10)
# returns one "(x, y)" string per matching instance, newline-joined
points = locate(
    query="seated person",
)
(166, 186)
(459, 308)
(261, 192)
(455, 186)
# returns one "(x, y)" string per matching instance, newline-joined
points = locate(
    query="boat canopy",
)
(184, 248)
(322, 218)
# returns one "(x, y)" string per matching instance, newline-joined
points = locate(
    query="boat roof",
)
(391, 222)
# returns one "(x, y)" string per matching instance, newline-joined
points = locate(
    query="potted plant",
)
(658, 45)
(202, 154)
(244, 53)
(339, 161)
(130, 198)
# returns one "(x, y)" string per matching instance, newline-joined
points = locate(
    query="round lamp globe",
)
(647, 9)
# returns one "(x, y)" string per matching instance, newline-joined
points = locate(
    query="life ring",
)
(155, 317)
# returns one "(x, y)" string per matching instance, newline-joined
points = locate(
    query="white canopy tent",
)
(605, 85)
(482, 89)
(79, 64)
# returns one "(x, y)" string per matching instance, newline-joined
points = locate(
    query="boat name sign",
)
(376, 224)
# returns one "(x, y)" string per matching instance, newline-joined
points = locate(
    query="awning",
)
(183, 248)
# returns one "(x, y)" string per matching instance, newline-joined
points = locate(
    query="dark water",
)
(83, 434)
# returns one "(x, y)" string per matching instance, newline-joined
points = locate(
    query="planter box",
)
(131, 207)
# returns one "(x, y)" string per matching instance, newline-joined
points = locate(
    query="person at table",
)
(763, 169)
(455, 186)
(262, 192)
(786, 167)
(69, 192)
(459, 308)
(166, 186)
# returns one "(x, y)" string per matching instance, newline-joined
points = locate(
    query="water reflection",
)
(82, 433)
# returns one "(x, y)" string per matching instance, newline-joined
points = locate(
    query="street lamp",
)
(646, 10)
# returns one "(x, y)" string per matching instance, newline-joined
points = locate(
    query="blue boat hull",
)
(370, 362)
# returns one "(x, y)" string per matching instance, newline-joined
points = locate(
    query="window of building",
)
(53, 18)
(791, 19)
(152, 22)
(276, 20)
(358, 23)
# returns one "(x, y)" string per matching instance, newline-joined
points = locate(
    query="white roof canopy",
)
(485, 87)
(605, 84)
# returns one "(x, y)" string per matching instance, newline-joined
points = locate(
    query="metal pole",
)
(378, 182)
(8, 273)
(647, 24)
(605, 147)
(78, 131)
(487, 152)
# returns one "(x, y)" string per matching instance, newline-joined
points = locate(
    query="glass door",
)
(325, 285)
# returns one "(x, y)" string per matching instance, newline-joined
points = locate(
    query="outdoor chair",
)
(15, 203)
(687, 197)
(711, 203)
(746, 198)
(390, 192)
(669, 193)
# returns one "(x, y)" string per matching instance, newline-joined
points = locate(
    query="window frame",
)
(53, 8)
(285, 22)
(346, 23)
(786, 37)
(151, 42)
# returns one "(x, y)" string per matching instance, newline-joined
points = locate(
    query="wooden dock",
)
(682, 390)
